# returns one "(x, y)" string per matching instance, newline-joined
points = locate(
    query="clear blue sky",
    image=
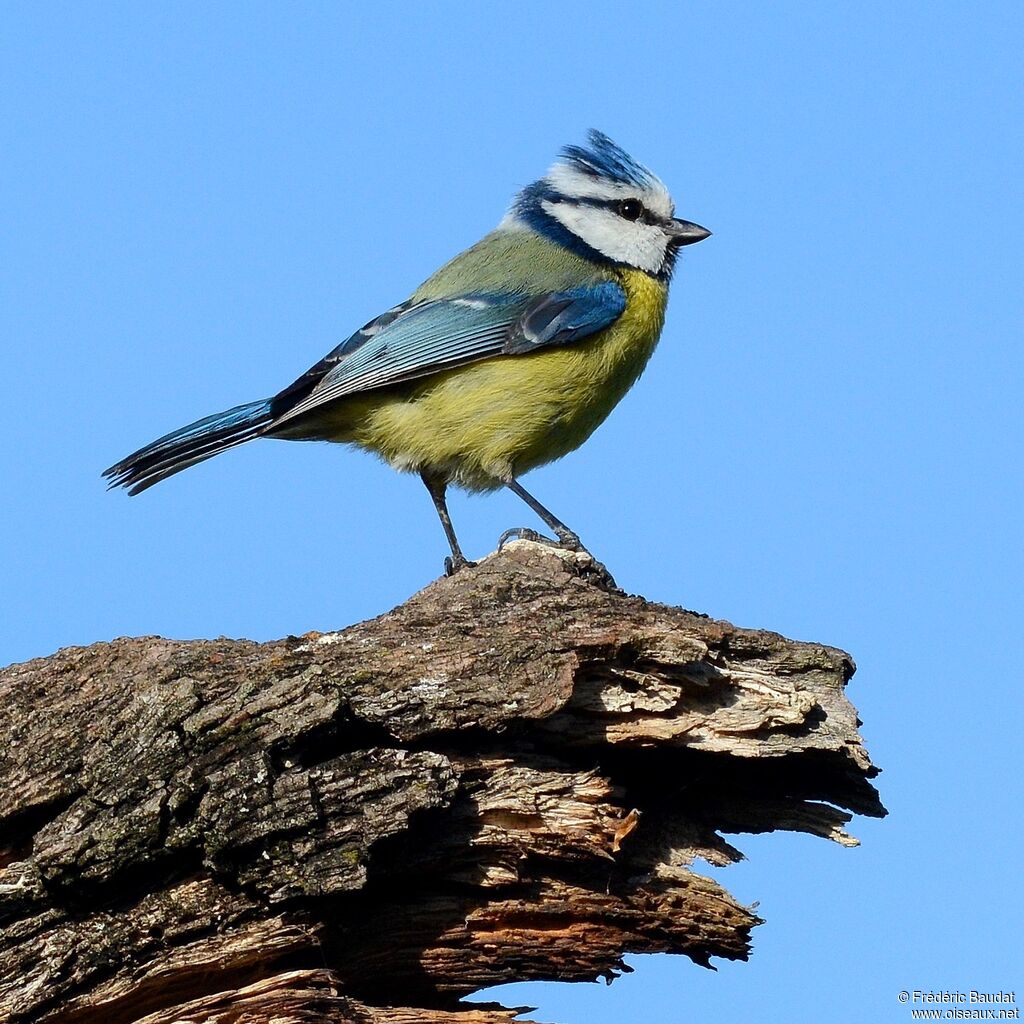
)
(200, 200)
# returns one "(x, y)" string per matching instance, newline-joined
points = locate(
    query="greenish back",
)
(512, 261)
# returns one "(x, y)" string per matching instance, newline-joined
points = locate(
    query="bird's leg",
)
(437, 486)
(566, 538)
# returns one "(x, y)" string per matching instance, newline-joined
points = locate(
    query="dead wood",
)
(507, 778)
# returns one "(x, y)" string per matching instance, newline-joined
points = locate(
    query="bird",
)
(506, 358)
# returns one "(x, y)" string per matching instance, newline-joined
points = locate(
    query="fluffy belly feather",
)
(479, 424)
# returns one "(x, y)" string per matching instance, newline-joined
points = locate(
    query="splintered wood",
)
(509, 777)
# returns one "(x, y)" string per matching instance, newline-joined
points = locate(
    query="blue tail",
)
(182, 448)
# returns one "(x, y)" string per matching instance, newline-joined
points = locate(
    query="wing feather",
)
(413, 341)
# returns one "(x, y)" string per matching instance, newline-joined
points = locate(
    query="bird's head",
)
(599, 201)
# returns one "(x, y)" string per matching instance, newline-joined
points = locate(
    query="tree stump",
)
(506, 778)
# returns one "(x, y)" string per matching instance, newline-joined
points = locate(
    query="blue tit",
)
(507, 358)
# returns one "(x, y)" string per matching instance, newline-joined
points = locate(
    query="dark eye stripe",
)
(615, 205)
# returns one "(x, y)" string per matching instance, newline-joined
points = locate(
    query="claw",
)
(523, 533)
(568, 539)
(452, 566)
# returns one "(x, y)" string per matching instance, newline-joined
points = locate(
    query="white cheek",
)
(634, 243)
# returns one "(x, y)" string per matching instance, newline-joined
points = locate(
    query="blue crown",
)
(603, 159)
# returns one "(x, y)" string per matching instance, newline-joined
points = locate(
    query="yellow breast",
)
(480, 423)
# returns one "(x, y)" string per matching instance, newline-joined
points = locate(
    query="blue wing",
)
(418, 339)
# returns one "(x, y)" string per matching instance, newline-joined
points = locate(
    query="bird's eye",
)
(631, 209)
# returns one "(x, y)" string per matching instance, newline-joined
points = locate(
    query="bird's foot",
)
(453, 564)
(567, 540)
(524, 533)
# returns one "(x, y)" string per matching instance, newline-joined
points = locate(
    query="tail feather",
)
(182, 448)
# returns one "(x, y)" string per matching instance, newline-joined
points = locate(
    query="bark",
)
(506, 778)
